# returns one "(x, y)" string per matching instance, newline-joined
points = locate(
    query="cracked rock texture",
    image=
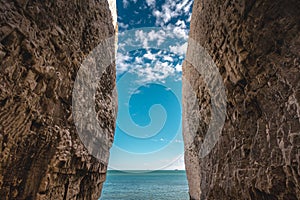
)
(256, 47)
(42, 44)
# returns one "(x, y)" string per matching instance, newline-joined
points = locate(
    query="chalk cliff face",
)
(42, 46)
(256, 48)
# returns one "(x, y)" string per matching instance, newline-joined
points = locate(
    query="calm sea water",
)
(157, 185)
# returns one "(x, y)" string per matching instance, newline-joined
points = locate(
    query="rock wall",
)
(256, 48)
(42, 46)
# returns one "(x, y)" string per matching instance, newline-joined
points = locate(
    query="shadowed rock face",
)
(42, 46)
(256, 47)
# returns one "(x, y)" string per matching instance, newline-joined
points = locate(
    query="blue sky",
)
(152, 43)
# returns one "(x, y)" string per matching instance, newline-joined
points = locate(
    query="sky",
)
(152, 43)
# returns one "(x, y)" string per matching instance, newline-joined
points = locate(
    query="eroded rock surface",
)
(42, 46)
(256, 47)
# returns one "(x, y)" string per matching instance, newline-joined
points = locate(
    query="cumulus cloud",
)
(125, 3)
(180, 32)
(142, 37)
(173, 17)
(155, 64)
(168, 58)
(158, 36)
(179, 49)
(149, 66)
(122, 63)
(150, 3)
(122, 25)
(180, 23)
(171, 9)
(157, 73)
(138, 60)
(178, 67)
(184, 6)
(153, 36)
(150, 56)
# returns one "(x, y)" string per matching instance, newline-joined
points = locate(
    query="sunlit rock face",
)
(42, 46)
(256, 48)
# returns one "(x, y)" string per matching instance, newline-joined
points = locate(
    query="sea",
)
(143, 185)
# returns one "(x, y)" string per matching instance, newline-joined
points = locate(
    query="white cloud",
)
(155, 37)
(179, 49)
(159, 36)
(152, 66)
(125, 3)
(187, 8)
(178, 67)
(150, 56)
(122, 25)
(190, 17)
(168, 58)
(162, 17)
(139, 60)
(184, 6)
(155, 72)
(180, 23)
(171, 9)
(122, 63)
(150, 3)
(180, 32)
(142, 37)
